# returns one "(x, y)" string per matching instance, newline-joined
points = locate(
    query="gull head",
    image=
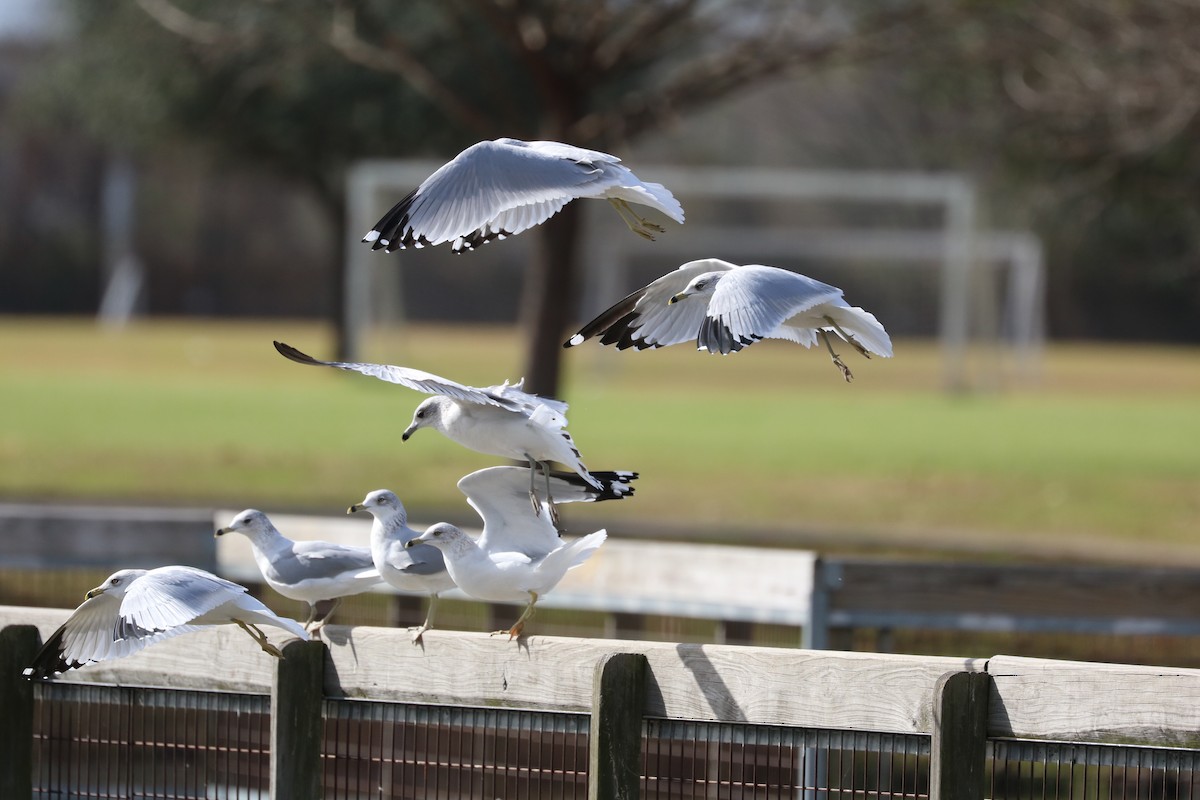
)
(116, 584)
(251, 522)
(443, 536)
(381, 504)
(699, 285)
(427, 415)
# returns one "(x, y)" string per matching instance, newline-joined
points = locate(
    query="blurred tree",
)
(307, 87)
(1091, 110)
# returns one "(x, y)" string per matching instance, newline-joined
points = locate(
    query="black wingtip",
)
(289, 352)
(49, 660)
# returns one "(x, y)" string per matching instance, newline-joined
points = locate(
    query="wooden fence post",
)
(18, 645)
(959, 744)
(615, 740)
(297, 694)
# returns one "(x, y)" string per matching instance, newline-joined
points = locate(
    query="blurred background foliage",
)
(1077, 119)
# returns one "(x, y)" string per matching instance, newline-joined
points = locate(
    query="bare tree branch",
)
(398, 60)
(183, 24)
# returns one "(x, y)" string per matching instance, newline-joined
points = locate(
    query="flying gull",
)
(726, 307)
(519, 556)
(500, 188)
(135, 608)
(318, 573)
(498, 420)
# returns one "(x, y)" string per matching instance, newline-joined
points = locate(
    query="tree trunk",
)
(549, 298)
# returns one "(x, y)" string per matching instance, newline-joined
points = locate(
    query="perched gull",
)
(726, 307)
(519, 555)
(409, 569)
(135, 608)
(497, 420)
(318, 573)
(500, 188)
(503, 574)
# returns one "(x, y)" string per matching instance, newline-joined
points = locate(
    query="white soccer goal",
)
(969, 304)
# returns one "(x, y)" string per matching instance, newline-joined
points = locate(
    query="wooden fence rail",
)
(824, 597)
(960, 703)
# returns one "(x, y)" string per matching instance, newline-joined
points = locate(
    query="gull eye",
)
(115, 582)
(437, 533)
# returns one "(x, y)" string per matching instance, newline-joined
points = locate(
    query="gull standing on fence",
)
(318, 573)
(498, 420)
(500, 188)
(409, 569)
(519, 556)
(135, 608)
(726, 307)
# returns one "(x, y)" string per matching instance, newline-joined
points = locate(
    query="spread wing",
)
(751, 303)
(645, 319)
(490, 190)
(501, 496)
(506, 397)
(157, 606)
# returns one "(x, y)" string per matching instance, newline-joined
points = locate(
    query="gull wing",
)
(752, 302)
(505, 397)
(158, 605)
(316, 559)
(645, 318)
(501, 497)
(467, 200)
(168, 597)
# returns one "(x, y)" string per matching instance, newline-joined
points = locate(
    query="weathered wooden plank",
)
(1073, 701)
(18, 645)
(615, 738)
(857, 691)
(854, 691)
(1007, 589)
(959, 741)
(296, 724)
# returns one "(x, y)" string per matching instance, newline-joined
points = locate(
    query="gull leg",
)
(645, 223)
(419, 631)
(312, 615)
(533, 498)
(322, 616)
(519, 625)
(550, 498)
(837, 360)
(854, 342)
(631, 220)
(259, 637)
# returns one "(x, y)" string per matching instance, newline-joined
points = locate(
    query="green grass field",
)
(1099, 459)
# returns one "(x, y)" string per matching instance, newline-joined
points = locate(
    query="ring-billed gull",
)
(502, 575)
(315, 572)
(500, 188)
(417, 569)
(498, 420)
(519, 555)
(135, 608)
(726, 307)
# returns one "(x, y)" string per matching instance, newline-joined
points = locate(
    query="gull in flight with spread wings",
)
(726, 307)
(409, 569)
(135, 608)
(519, 557)
(315, 572)
(498, 420)
(500, 188)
